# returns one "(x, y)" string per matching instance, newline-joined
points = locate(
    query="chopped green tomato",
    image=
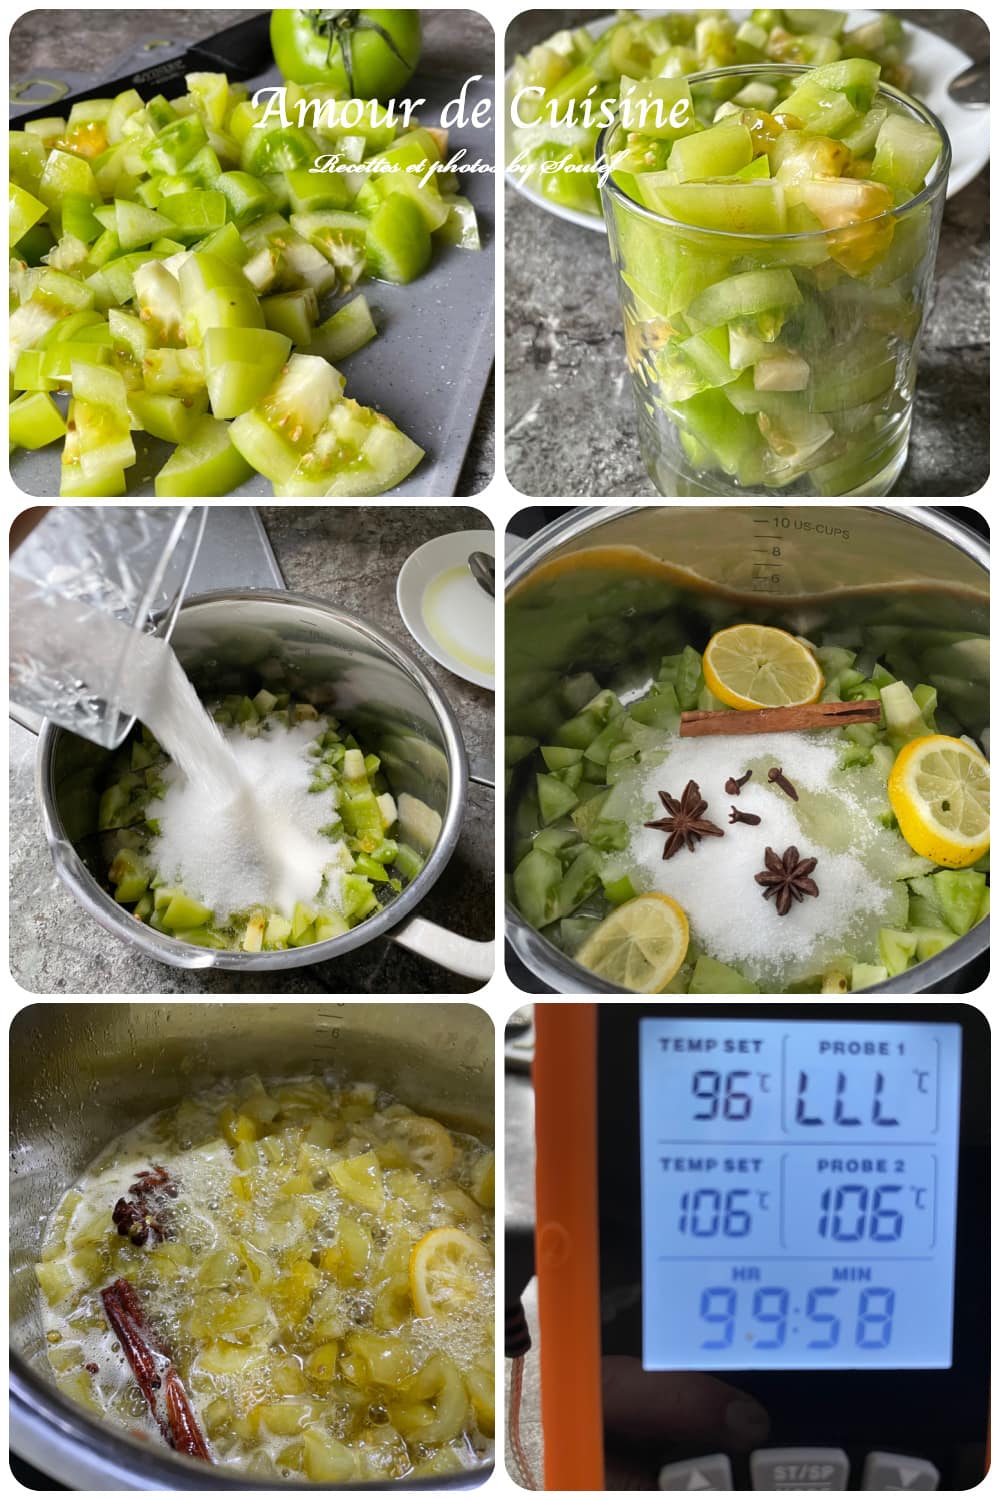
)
(34, 420)
(559, 757)
(517, 747)
(175, 145)
(103, 478)
(905, 151)
(294, 314)
(348, 330)
(555, 798)
(311, 191)
(157, 296)
(536, 887)
(174, 419)
(897, 949)
(101, 417)
(745, 296)
(241, 364)
(659, 108)
(357, 452)
(718, 152)
(338, 236)
(23, 211)
(398, 243)
(135, 225)
(755, 208)
(247, 197)
(177, 911)
(620, 890)
(710, 977)
(165, 222)
(174, 372)
(195, 214)
(214, 294)
(211, 95)
(864, 976)
(66, 173)
(461, 227)
(959, 894)
(208, 464)
(277, 432)
(932, 940)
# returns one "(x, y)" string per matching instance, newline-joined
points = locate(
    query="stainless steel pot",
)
(807, 568)
(235, 642)
(81, 1074)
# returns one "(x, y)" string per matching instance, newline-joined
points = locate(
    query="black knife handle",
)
(241, 51)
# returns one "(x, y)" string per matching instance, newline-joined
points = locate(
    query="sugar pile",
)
(260, 846)
(834, 820)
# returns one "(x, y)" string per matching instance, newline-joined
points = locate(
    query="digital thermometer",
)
(799, 1193)
(780, 1205)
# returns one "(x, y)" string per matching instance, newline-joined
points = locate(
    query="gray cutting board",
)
(427, 369)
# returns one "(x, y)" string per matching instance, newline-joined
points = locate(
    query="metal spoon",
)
(483, 570)
(972, 86)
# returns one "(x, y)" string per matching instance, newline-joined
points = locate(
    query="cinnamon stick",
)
(779, 720)
(154, 1371)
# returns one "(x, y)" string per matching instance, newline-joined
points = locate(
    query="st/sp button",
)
(554, 1247)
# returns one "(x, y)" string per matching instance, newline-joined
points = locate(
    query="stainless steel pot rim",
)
(544, 959)
(40, 1409)
(582, 517)
(99, 904)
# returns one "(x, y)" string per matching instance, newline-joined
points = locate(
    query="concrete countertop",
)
(351, 557)
(89, 41)
(570, 421)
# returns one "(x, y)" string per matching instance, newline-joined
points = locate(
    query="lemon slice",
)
(757, 666)
(426, 1142)
(939, 789)
(640, 945)
(448, 1270)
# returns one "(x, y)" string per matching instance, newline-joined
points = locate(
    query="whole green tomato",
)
(363, 54)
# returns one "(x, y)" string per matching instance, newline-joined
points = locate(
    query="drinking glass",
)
(854, 299)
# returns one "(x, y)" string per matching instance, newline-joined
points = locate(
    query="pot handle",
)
(461, 955)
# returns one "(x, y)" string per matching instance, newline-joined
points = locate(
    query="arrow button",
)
(895, 1471)
(714, 1472)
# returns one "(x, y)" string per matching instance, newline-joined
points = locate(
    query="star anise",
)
(788, 877)
(144, 1214)
(684, 822)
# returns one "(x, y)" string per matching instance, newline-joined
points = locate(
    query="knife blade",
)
(241, 51)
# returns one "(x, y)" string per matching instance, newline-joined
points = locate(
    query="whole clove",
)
(735, 816)
(777, 776)
(735, 784)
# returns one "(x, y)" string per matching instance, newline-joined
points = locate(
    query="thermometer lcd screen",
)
(799, 1188)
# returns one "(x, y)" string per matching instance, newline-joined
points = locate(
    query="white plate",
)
(445, 609)
(935, 63)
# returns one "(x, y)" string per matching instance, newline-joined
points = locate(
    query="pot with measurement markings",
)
(236, 642)
(81, 1075)
(599, 595)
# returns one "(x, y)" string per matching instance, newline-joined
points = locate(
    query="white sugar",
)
(835, 821)
(261, 848)
(239, 826)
